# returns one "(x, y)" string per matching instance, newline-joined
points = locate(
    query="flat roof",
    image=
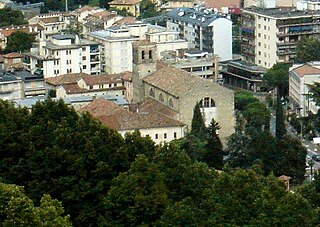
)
(282, 12)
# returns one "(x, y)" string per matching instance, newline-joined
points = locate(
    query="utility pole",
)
(66, 6)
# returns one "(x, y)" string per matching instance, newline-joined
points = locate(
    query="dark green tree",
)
(280, 120)
(213, 155)
(10, 17)
(198, 128)
(257, 116)
(308, 50)
(19, 42)
(148, 9)
(19, 210)
(243, 98)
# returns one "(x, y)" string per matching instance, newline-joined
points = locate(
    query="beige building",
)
(300, 77)
(180, 90)
(173, 4)
(130, 6)
(157, 126)
(270, 35)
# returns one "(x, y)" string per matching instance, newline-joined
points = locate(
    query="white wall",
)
(222, 38)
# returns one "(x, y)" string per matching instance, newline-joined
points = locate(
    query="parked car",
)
(316, 157)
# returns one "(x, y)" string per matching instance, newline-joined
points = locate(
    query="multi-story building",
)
(204, 29)
(245, 75)
(11, 87)
(99, 21)
(300, 79)
(117, 48)
(130, 6)
(270, 35)
(65, 54)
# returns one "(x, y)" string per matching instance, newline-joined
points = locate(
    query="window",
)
(259, 52)
(207, 102)
(165, 135)
(91, 87)
(84, 58)
(259, 44)
(110, 85)
(114, 84)
(150, 54)
(142, 54)
(67, 62)
(84, 67)
(123, 92)
(175, 135)
(156, 136)
(265, 27)
(151, 92)
(100, 86)
(259, 34)
(161, 97)
(83, 49)
(170, 103)
(259, 25)
(67, 52)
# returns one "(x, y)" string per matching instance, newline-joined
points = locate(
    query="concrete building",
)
(13, 61)
(270, 35)
(300, 77)
(174, 4)
(130, 6)
(82, 12)
(158, 127)
(204, 29)
(65, 54)
(180, 91)
(11, 87)
(117, 46)
(197, 62)
(244, 75)
(165, 39)
(270, 3)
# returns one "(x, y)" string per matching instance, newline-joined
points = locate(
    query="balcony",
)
(95, 59)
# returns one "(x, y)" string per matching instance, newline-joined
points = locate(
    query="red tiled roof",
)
(13, 55)
(65, 79)
(85, 8)
(126, 20)
(222, 3)
(306, 69)
(155, 107)
(118, 118)
(101, 79)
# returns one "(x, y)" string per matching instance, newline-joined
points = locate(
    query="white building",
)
(300, 77)
(165, 39)
(117, 46)
(64, 54)
(270, 35)
(11, 87)
(158, 127)
(204, 29)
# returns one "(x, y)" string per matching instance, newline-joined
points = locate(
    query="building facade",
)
(204, 29)
(270, 35)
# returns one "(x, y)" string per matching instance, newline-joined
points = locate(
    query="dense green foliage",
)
(280, 120)
(198, 127)
(19, 42)
(104, 179)
(19, 210)
(10, 17)
(148, 9)
(308, 49)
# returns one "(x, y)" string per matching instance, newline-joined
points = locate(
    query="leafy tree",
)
(19, 42)
(213, 155)
(198, 127)
(308, 50)
(10, 17)
(19, 210)
(280, 120)
(138, 196)
(257, 115)
(244, 98)
(148, 9)
(277, 77)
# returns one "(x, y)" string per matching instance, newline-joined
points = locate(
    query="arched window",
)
(207, 102)
(150, 54)
(170, 103)
(151, 92)
(161, 97)
(142, 54)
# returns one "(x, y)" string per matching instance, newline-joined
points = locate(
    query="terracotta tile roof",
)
(65, 79)
(102, 79)
(124, 2)
(155, 107)
(7, 31)
(127, 76)
(13, 55)
(306, 69)
(222, 3)
(104, 15)
(118, 118)
(126, 20)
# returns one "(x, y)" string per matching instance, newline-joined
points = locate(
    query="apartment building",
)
(204, 29)
(270, 35)
(64, 54)
(300, 79)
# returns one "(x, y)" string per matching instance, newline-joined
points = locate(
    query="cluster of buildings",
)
(131, 74)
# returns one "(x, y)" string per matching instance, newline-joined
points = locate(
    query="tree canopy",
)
(308, 49)
(19, 42)
(9, 17)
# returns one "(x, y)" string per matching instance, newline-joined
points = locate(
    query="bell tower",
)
(144, 64)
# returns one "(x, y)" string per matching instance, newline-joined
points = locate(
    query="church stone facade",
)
(180, 90)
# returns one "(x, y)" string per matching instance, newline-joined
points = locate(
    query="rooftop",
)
(282, 12)
(306, 69)
(124, 2)
(201, 18)
(65, 79)
(63, 37)
(247, 65)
